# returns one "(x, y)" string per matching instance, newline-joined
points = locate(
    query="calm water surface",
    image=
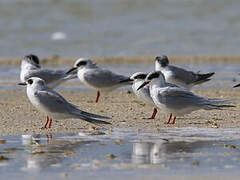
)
(119, 28)
(122, 153)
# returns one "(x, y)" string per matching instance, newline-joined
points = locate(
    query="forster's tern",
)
(54, 105)
(179, 76)
(97, 78)
(144, 93)
(30, 67)
(175, 100)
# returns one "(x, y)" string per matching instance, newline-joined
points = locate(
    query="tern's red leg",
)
(45, 126)
(50, 123)
(170, 117)
(98, 95)
(153, 114)
(174, 120)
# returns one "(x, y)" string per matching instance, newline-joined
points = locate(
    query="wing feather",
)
(103, 78)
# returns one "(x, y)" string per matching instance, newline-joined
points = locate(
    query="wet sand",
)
(18, 116)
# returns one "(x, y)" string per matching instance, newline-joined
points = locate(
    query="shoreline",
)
(56, 60)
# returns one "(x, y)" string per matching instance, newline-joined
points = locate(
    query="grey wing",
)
(47, 74)
(103, 78)
(53, 101)
(180, 74)
(57, 104)
(178, 98)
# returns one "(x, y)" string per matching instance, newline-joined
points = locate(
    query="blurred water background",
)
(72, 28)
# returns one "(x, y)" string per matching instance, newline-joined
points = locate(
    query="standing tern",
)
(176, 100)
(98, 78)
(144, 93)
(54, 105)
(179, 76)
(30, 67)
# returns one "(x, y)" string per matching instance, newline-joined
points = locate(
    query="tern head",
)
(82, 63)
(34, 82)
(138, 76)
(155, 77)
(162, 61)
(31, 60)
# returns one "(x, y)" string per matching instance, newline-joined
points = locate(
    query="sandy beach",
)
(18, 116)
(124, 37)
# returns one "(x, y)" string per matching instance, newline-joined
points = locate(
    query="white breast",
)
(143, 93)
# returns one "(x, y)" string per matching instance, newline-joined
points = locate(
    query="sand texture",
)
(18, 116)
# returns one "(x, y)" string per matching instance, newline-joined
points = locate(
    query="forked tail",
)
(217, 106)
(89, 117)
(201, 78)
(218, 101)
(94, 121)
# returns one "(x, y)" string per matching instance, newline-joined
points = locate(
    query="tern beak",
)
(22, 84)
(236, 85)
(143, 84)
(72, 69)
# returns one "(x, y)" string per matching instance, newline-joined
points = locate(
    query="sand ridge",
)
(56, 60)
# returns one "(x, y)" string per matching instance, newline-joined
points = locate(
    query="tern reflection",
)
(44, 152)
(159, 152)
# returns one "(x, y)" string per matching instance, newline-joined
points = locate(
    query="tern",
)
(144, 93)
(54, 105)
(176, 100)
(30, 67)
(98, 78)
(179, 76)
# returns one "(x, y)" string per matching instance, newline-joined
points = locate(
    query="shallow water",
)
(122, 153)
(226, 75)
(119, 28)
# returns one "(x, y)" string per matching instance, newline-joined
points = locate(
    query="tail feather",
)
(225, 105)
(94, 115)
(88, 118)
(91, 120)
(201, 78)
(217, 101)
(73, 109)
(216, 106)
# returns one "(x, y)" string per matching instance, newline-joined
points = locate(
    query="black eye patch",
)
(30, 81)
(140, 76)
(81, 63)
(153, 75)
(33, 58)
(163, 60)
